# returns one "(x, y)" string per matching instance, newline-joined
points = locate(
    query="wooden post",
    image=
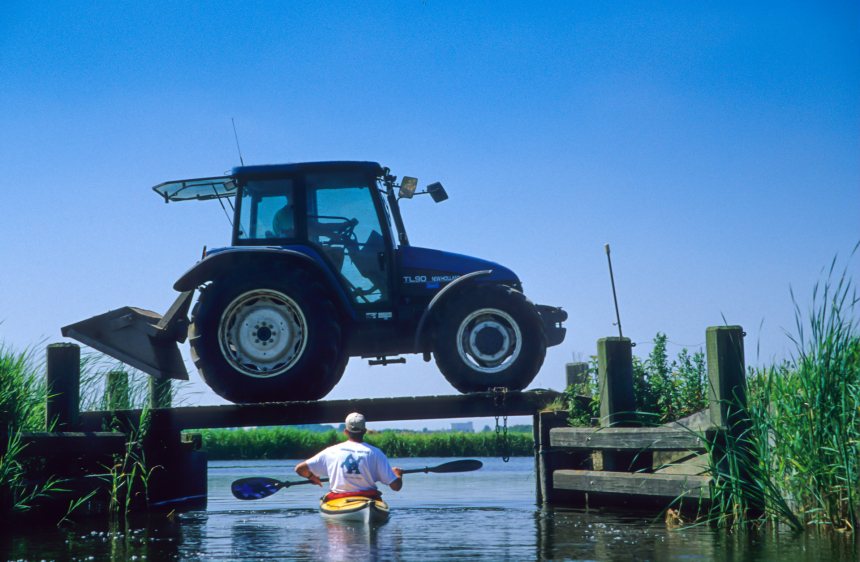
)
(726, 374)
(617, 403)
(63, 380)
(615, 381)
(733, 452)
(540, 477)
(577, 374)
(160, 395)
(116, 391)
(550, 460)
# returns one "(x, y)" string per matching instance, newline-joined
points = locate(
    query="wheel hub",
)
(262, 333)
(489, 340)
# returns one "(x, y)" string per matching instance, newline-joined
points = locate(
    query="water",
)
(485, 515)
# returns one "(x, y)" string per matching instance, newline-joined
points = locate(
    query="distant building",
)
(464, 427)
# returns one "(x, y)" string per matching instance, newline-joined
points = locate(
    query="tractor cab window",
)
(343, 220)
(267, 210)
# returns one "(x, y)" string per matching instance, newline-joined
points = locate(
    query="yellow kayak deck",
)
(355, 508)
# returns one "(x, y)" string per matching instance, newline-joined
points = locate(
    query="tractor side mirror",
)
(437, 192)
(407, 187)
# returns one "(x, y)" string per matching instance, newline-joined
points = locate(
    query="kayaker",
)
(353, 467)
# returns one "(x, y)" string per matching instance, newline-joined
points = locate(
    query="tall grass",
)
(22, 408)
(22, 391)
(795, 453)
(292, 443)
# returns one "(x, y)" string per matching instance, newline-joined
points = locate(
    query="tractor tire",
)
(271, 335)
(488, 337)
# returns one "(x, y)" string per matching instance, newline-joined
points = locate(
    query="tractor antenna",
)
(236, 136)
(614, 296)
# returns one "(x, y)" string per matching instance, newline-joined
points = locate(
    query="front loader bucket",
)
(140, 338)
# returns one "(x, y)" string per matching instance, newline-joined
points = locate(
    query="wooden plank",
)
(696, 465)
(625, 438)
(477, 404)
(668, 486)
(72, 444)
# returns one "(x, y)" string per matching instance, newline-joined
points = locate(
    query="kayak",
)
(355, 508)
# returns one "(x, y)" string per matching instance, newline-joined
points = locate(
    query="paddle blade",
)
(466, 465)
(255, 488)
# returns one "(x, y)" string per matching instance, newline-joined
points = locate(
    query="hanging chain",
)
(503, 445)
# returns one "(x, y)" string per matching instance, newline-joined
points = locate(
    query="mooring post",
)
(160, 394)
(615, 381)
(63, 381)
(726, 374)
(116, 391)
(728, 407)
(617, 402)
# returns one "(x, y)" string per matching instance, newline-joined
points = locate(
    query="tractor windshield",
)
(200, 189)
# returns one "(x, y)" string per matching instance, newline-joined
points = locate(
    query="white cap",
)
(355, 423)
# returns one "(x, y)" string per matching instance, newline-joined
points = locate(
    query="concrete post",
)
(577, 373)
(116, 391)
(63, 380)
(160, 393)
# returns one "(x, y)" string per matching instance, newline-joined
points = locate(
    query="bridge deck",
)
(478, 404)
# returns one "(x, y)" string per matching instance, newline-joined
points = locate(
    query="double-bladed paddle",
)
(258, 487)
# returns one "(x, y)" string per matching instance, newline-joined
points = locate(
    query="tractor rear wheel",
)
(267, 336)
(489, 337)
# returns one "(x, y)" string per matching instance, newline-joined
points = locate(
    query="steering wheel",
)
(338, 233)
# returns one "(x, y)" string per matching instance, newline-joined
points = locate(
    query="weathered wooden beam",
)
(478, 404)
(625, 438)
(669, 486)
(72, 444)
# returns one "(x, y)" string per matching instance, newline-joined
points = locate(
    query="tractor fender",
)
(230, 259)
(442, 296)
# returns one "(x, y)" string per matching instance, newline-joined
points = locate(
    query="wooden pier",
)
(620, 464)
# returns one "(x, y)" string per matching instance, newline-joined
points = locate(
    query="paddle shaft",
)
(444, 467)
(256, 488)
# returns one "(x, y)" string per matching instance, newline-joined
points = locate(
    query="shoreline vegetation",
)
(796, 462)
(292, 443)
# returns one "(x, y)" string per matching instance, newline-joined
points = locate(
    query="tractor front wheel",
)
(268, 336)
(489, 337)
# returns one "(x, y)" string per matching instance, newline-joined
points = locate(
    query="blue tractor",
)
(320, 269)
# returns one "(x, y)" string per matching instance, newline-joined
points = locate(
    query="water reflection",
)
(487, 515)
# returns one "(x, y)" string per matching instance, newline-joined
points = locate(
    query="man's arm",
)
(304, 471)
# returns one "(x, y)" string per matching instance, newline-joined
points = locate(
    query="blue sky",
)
(716, 147)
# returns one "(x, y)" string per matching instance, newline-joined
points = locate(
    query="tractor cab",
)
(347, 211)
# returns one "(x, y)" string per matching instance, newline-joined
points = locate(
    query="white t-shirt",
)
(352, 467)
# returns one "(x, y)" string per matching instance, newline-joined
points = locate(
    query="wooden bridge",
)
(614, 463)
